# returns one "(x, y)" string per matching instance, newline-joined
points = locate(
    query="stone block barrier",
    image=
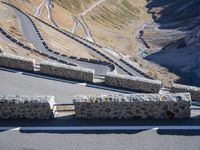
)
(16, 62)
(132, 83)
(136, 106)
(26, 107)
(194, 91)
(66, 71)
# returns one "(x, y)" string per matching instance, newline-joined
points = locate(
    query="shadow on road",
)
(59, 125)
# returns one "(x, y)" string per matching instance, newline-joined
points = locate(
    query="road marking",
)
(83, 84)
(99, 128)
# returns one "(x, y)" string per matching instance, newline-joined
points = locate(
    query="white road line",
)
(99, 128)
(83, 84)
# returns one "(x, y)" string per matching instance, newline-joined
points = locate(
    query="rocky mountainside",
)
(172, 38)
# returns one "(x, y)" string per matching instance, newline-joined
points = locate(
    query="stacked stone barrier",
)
(194, 91)
(132, 83)
(66, 71)
(136, 106)
(26, 107)
(16, 62)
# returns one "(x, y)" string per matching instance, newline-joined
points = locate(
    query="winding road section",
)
(31, 32)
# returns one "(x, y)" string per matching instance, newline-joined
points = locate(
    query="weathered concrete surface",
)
(68, 72)
(133, 83)
(26, 107)
(17, 62)
(194, 91)
(159, 106)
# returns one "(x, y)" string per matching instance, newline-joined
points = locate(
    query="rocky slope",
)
(172, 39)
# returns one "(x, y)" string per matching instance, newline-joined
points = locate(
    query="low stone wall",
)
(26, 107)
(133, 106)
(17, 62)
(194, 91)
(132, 83)
(68, 72)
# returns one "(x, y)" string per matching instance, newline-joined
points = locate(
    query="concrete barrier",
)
(156, 106)
(194, 91)
(132, 83)
(26, 107)
(66, 71)
(16, 62)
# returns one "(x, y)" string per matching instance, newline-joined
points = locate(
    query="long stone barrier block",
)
(26, 107)
(194, 91)
(17, 62)
(132, 83)
(136, 106)
(66, 71)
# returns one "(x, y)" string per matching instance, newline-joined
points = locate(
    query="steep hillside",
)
(112, 22)
(172, 39)
(10, 23)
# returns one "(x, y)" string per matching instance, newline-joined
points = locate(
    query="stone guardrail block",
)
(136, 106)
(194, 91)
(17, 62)
(26, 107)
(66, 71)
(132, 83)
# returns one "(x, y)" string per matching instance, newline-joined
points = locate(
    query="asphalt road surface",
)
(22, 83)
(144, 140)
(69, 133)
(65, 132)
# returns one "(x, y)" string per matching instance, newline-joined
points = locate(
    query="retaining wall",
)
(194, 91)
(133, 106)
(17, 62)
(132, 83)
(26, 107)
(68, 72)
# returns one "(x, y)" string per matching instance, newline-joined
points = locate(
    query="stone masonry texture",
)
(194, 91)
(26, 107)
(16, 62)
(66, 71)
(132, 83)
(135, 106)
